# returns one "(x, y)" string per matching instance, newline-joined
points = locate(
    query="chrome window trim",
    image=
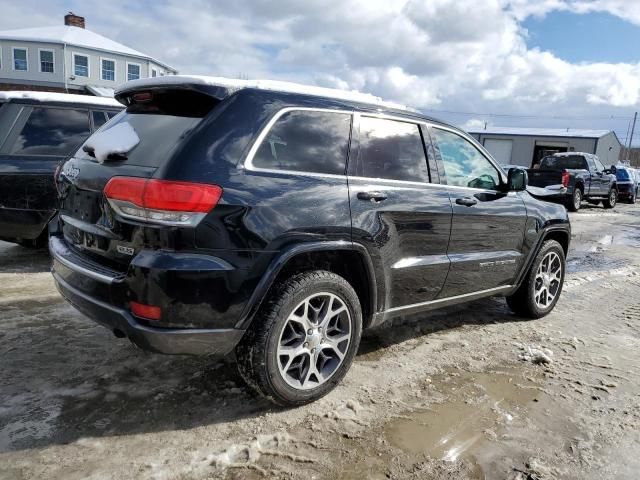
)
(248, 162)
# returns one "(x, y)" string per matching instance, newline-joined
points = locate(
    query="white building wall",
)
(523, 146)
(33, 73)
(64, 66)
(608, 150)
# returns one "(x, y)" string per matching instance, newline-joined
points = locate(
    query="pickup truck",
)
(569, 178)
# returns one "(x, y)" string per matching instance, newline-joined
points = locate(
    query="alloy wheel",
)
(548, 278)
(577, 199)
(314, 341)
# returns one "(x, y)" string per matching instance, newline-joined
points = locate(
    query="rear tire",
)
(295, 350)
(611, 199)
(541, 288)
(573, 204)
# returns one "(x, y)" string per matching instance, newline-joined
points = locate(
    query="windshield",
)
(572, 162)
(622, 175)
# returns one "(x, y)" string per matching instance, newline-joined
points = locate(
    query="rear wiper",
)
(117, 156)
(89, 150)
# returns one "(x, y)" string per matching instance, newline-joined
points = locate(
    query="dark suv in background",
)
(38, 131)
(281, 220)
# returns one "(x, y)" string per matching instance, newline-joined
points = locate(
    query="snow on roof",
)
(274, 85)
(58, 97)
(542, 132)
(74, 36)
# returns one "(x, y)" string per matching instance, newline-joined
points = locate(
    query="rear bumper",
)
(626, 190)
(87, 289)
(23, 224)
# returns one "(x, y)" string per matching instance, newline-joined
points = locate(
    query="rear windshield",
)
(161, 124)
(622, 175)
(573, 162)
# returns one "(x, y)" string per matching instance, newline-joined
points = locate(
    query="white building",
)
(69, 58)
(527, 146)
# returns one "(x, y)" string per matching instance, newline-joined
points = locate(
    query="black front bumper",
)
(187, 341)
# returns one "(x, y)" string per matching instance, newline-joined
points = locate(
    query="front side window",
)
(464, 165)
(599, 165)
(306, 141)
(133, 71)
(622, 175)
(52, 131)
(20, 59)
(108, 68)
(391, 150)
(46, 61)
(81, 65)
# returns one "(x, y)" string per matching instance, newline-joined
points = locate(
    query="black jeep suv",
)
(280, 220)
(38, 130)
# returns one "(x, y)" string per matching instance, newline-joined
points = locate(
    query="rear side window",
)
(52, 131)
(391, 150)
(99, 119)
(306, 141)
(572, 162)
(622, 175)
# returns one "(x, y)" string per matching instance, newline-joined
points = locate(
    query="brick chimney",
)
(73, 20)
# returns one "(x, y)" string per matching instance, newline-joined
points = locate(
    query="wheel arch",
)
(349, 260)
(560, 234)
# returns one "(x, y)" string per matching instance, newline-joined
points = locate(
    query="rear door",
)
(487, 230)
(398, 211)
(38, 139)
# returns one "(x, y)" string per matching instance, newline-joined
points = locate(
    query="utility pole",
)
(633, 129)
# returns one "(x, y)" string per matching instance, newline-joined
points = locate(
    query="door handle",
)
(466, 201)
(372, 196)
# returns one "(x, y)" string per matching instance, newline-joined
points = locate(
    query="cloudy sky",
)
(539, 63)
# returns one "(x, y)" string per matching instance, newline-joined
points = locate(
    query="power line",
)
(510, 115)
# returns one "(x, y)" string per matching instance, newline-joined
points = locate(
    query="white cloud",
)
(460, 54)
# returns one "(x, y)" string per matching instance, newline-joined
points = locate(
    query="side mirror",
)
(613, 169)
(517, 180)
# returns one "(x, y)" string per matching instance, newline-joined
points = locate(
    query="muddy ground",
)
(456, 394)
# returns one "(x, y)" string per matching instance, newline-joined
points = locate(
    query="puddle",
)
(483, 403)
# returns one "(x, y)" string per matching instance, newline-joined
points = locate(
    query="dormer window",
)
(20, 59)
(80, 65)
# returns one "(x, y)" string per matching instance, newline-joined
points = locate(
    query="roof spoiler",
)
(124, 93)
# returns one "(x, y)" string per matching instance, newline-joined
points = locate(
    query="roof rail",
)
(234, 85)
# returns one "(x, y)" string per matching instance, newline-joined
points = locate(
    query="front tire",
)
(542, 286)
(303, 340)
(573, 205)
(612, 199)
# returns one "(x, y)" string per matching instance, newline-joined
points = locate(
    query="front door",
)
(488, 225)
(402, 218)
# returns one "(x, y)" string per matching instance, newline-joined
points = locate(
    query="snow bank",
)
(59, 97)
(119, 139)
(274, 85)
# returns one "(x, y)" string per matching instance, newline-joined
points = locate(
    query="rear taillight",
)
(565, 179)
(162, 201)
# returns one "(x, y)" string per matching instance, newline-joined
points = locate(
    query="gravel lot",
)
(467, 392)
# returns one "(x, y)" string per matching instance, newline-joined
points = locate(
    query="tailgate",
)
(129, 149)
(544, 178)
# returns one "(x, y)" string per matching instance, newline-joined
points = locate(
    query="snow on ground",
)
(460, 393)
